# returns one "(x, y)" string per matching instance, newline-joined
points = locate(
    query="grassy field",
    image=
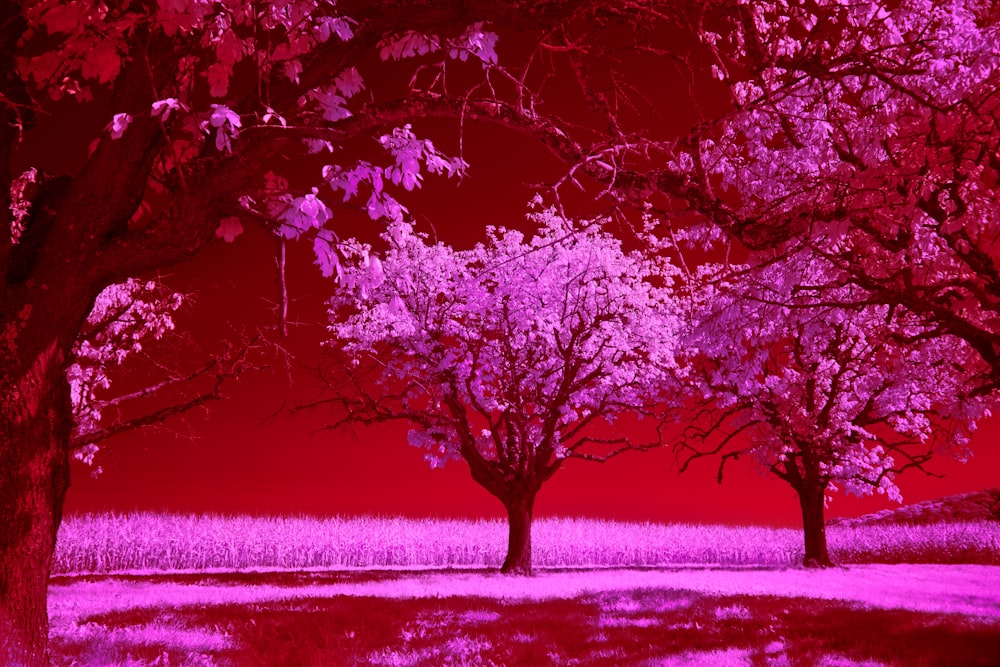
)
(170, 542)
(695, 615)
(197, 591)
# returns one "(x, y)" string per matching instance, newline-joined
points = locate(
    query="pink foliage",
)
(124, 317)
(475, 41)
(825, 390)
(511, 351)
(868, 129)
(21, 189)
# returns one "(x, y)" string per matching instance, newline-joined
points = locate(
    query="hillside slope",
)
(977, 506)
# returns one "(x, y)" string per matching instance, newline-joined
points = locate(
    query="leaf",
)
(163, 108)
(217, 76)
(341, 26)
(477, 42)
(119, 123)
(230, 49)
(304, 213)
(292, 69)
(227, 123)
(181, 15)
(271, 113)
(64, 17)
(326, 255)
(332, 105)
(317, 145)
(102, 63)
(228, 229)
(349, 82)
(223, 116)
(407, 45)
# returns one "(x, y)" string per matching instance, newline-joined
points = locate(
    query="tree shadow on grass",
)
(650, 627)
(248, 578)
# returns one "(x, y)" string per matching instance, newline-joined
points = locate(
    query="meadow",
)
(163, 590)
(151, 542)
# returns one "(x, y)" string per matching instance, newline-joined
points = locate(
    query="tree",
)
(513, 356)
(826, 396)
(868, 132)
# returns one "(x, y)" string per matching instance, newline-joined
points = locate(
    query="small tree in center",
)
(515, 355)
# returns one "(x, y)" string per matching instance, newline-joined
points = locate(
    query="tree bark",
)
(520, 507)
(814, 526)
(35, 427)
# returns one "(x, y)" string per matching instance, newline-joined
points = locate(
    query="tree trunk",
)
(35, 426)
(814, 526)
(519, 513)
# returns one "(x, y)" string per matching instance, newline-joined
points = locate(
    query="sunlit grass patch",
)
(719, 658)
(972, 590)
(733, 611)
(156, 640)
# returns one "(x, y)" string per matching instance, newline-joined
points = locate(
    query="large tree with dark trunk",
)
(515, 356)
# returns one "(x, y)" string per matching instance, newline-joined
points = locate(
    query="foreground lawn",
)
(871, 614)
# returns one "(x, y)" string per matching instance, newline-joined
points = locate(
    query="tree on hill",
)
(825, 396)
(514, 356)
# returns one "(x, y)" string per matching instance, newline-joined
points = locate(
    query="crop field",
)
(194, 591)
(170, 542)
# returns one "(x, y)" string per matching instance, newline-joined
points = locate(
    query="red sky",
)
(238, 465)
(240, 462)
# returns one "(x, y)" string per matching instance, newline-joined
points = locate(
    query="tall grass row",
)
(108, 543)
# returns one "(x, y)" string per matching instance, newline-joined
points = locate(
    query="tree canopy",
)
(825, 393)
